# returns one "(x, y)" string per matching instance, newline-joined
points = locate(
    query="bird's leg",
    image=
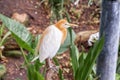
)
(50, 65)
(51, 70)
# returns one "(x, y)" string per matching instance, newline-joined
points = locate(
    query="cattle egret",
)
(51, 40)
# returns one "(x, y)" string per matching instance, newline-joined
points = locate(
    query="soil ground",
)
(39, 20)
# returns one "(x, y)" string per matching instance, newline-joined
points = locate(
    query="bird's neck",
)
(64, 32)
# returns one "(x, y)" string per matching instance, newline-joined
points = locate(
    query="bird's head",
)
(64, 24)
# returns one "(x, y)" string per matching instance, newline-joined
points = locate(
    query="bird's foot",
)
(52, 73)
(54, 68)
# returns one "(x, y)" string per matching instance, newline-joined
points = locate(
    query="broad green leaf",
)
(19, 32)
(67, 42)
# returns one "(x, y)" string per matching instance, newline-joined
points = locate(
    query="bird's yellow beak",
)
(72, 25)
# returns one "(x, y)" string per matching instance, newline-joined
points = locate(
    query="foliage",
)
(118, 62)
(24, 39)
(19, 32)
(118, 65)
(117, 76)
(33, 74)
(33, 69)
(3, 38)
(82, 66)
(80, 62)
(58, 8)
(2, 70)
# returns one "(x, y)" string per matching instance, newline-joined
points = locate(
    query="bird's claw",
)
(54, 68)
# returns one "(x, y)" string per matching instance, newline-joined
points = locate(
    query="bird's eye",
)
(66, 24)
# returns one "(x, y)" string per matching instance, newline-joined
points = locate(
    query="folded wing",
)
(50, 43)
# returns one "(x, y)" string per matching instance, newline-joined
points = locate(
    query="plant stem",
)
(26, 61)
(3, 39)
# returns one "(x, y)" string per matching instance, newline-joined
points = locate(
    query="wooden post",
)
(109, 27)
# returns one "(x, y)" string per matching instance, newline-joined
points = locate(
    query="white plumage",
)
(51, 42)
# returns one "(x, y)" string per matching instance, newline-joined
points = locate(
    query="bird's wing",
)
(50, 43)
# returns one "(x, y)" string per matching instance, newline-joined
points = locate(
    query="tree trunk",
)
(110, 27)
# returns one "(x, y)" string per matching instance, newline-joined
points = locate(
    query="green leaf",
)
(4, 38)
(73, 56)
(117, 76)
(118, 62)
(33, 74)
(118, 67)
(13, 53)
(81, 65)
(30, 73)
(2, 70)
(90, 59)
(38, 76)
(67, 42)
(1, 29)
(19, 32)
(74, 53)
(36, 45)
(38, 65)
(60, 75)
